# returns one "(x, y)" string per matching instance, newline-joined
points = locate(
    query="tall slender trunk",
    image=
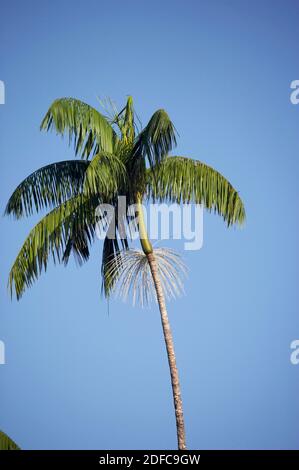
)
(177, 399)
(176, 391)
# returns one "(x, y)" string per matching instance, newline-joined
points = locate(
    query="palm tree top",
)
(116, 158)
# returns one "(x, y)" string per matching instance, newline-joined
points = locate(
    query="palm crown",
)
(116, 160)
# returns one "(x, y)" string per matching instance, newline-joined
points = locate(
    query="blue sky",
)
(76, 377)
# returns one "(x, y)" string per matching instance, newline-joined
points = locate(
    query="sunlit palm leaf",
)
(106, 173)
(6, 443)
(47, 187)
(180, 179)
(128, 125)
(125, 121)
(69, 227)
(90, 130)
(54, 184)
(157, 138)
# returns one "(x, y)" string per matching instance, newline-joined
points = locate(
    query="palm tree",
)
(117, 158)
(6, 443)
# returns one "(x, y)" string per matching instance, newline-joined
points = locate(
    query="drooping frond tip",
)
(157, 139)
(47, 187)
(131, 271)
(111, 249)
(54, 184)
(69, 228)
(86, 127)
(184, 180)
(6, 443)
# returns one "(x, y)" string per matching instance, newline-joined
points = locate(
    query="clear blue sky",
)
(78, 378)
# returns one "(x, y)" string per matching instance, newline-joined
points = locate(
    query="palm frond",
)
(106, 173)
(6, 443)
(156, 140)
(131, 271)
(128, 125)
(180, 179)
(116, 240)
(86, 127)
(111, 250)
(68, 228)
(47, 187)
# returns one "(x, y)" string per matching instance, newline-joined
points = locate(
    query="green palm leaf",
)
(6, 443)
(180, 179)
(111, 250)
(128, 129)
(47, 187)
(157, 139)
(125, 121)
(115, 241)
(89, 129)
(106, 173)
(53, 184)
(67, 228)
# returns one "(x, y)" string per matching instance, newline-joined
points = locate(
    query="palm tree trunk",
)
(177, 399)
(176, 391)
